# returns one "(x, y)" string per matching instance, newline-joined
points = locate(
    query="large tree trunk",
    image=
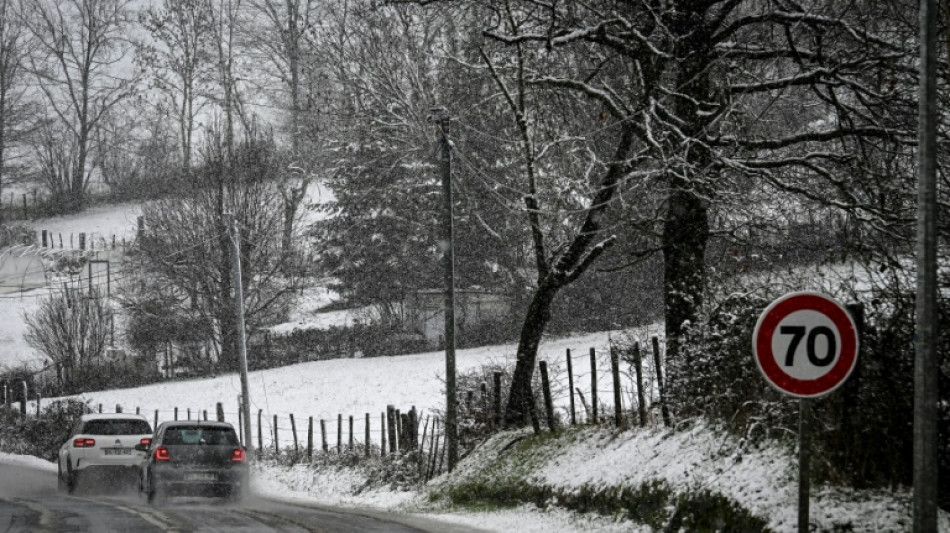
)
(536, 319)
(686, 224)
(685, 234)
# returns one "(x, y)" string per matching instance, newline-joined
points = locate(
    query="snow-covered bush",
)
(40, 436)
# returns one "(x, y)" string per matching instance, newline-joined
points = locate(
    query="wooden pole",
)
(391, 427)
(570, 386)
(658, 367)
(615, 373)
(546, 390)
(176, 412)
(118, 408)
(496, 399)
(641, 397)
(593, 386)
(276, 443)
(155, 426)
(366, 431)
(219, 408)
(350, 447)
(323, 436)
(293, 429)
(260, 434)
(310, 439)
(339, 433)
(382, 434)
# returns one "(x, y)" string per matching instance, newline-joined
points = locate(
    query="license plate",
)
(199, 477)
(118, 451)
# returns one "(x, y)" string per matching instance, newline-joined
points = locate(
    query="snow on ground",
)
(307, 313)
(14, 351)
(325, 389)
(27, 460)
(99, 222)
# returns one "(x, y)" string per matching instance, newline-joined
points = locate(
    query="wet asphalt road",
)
(30, 502)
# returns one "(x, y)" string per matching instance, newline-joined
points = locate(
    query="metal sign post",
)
(806, 345)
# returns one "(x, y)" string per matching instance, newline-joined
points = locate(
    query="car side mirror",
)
(140, 447)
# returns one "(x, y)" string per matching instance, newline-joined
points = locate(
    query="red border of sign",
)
(762, 344)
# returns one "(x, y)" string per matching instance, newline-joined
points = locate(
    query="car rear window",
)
(116, 427)
(200, 435)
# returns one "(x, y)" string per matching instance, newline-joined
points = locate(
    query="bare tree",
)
(186, 251)
(700, 97)
(15, 113)
(79, 48)
(283, 41)
(72, 330)
(180, 57)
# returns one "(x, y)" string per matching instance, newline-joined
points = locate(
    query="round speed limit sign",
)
(805, 344)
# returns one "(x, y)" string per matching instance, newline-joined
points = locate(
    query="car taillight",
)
(145, 442)
(237, 455)
(84, 443)
(161, 454)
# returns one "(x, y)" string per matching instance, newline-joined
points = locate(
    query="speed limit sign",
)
(805, 344)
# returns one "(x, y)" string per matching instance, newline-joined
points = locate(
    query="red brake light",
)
(237, 455)
(145, 442)
(84, 443)
(161, 454)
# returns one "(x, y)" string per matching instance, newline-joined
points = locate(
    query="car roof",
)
(193, 423)
(113, 416)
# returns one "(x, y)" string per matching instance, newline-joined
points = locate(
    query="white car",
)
(102, 444)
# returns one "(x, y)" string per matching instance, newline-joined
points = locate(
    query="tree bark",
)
(536, 319)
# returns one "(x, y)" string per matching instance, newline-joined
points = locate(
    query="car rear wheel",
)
(155, 493)
(235, 494)
(72, 480)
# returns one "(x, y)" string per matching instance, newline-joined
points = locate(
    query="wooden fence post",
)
(664, 409)
(323, 435)
(391, 427)
(293, 429)
(38, 398)
(204, 414)
(138, 410)
(641, 398)
(546, 390)
(118, 408)
(496, 399)
(219, 408)
(593, 386)
(413, 429)
(276, 444)
(260, 434)
(350, 447)
(339, 433)
(188, 411)
(100, 405)
(382, 434)
(310, 439)
(176, 413)
(367, 435)
(615, 372)
(397, 423)
(570, 386)
(156, 420)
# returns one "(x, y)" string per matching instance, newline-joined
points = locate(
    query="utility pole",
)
(925, 365)
(447, 244)
(235, 240)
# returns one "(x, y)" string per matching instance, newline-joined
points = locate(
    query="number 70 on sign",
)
(805, 344)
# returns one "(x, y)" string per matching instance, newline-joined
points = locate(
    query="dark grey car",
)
(194, 458)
